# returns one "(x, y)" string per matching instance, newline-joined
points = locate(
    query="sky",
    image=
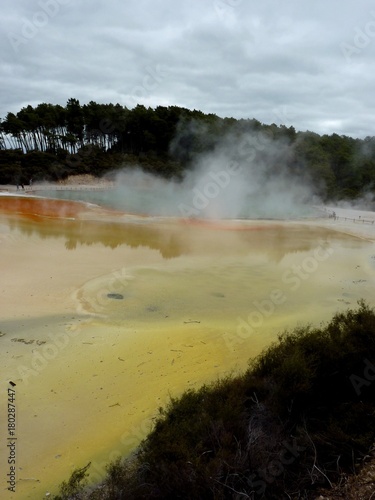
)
(306, 63)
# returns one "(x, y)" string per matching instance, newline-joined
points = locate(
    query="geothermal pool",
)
(105, 315)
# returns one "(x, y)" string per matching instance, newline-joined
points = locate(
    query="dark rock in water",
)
(116, 296)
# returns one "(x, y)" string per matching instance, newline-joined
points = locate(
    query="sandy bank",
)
(359, 223)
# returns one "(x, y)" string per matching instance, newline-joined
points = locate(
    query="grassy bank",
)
(300, 417)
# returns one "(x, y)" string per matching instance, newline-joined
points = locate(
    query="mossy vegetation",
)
(299, 417)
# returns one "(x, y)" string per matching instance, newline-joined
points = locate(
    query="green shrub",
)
(231, 439)
(73, 488)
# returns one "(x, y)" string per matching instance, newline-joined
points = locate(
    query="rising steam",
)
(247, 175)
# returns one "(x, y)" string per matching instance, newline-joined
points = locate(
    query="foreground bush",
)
(300, 416)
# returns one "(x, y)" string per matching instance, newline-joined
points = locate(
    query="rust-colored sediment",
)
(37, 207)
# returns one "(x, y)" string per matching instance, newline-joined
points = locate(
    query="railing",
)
(358, 220)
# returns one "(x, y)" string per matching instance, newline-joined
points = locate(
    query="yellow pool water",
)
(105, 316)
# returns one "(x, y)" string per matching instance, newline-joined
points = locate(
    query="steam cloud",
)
(246, 175)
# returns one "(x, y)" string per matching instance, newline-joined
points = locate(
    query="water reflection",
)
(112, 235)
(82, 225)
(173, 239)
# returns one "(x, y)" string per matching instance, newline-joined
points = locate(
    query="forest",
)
(49, 142)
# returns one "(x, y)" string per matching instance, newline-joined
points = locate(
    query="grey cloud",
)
(312, 60)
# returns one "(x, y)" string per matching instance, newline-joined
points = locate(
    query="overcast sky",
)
(306, 63)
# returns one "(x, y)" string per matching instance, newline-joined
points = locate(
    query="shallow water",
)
(161, 198)
(198, 300)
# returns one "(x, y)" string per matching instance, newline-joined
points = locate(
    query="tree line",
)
(50, 142)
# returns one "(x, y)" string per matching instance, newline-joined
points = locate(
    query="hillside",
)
(50, 142)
